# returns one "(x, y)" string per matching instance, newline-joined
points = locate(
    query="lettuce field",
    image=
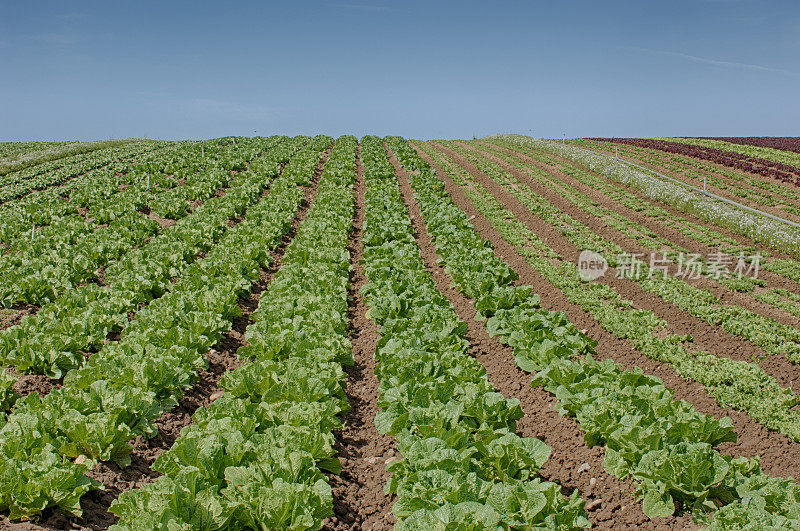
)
(380, 333)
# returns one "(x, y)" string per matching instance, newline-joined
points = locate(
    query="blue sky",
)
(89, 70)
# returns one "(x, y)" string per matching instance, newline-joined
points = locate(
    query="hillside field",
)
(341, 333)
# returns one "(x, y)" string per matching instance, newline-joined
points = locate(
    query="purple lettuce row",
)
(767, 168)
(784, 143)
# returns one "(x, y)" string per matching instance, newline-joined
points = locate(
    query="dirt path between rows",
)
(61, 184)
(705, 336)
(221, 358)
(39, 383)
(601, 228)
(772, 279)
(715, 169)
(610, 502)
(359, 502)
(779, 455)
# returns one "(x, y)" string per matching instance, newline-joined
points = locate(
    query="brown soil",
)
(706, 336)
(358, 498)
(600, 227)
(656, 226)
(715, 169)
(651, 223)
(12, 316)
(779, 455)
(205, 390)
(33, 383)
(573, 465)
(162, 222)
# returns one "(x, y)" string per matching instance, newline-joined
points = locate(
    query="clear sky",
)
(422, 69)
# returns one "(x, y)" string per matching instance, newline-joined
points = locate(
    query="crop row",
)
(92, 159)
(774, 337)
(41, 208)
(74, 247)
(54, 152)
(12, 151)
(694, 230)
(17, 185)
(779, 298)
(739, 186)
(758, 228)
(56, 218)
(778, 149)
(462, 464)
(738, 384)
(253, 458)
(81, 320)
(784, 143)
(53, 340)
(768, 168)
(49, 443)
(666, 446)
(624, 225)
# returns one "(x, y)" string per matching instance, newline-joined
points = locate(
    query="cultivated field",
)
(319, 333)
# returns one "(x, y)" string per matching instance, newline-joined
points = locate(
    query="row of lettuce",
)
(49, 205)
(774, 337)
(462, 462)
(627, 225)
(60, 172)
(701, 233)
(731, 157)
(48, 444)
(742, 186)
(254, 459)
(41, 264)
(92, 182)
(759, 228)
(780, 147)
(13, 151)
(54, 340)
(666, 446)
(786, 271)
(37, 153)
(738, 384)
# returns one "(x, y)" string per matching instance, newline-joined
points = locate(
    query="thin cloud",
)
(714, 62)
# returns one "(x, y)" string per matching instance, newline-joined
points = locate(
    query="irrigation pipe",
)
(689, 186)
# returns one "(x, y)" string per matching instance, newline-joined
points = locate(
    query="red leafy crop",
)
(767, 168)
(785, 143)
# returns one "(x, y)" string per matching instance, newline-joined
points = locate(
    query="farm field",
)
(381, 333)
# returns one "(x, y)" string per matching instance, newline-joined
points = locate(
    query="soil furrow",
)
(739, 238)
(669, 233)
(573, 465)
(221, 358)
(601, 228)
(359, 502)
(29, 383)
(706, 337)
(712, 168)
(779, 455)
